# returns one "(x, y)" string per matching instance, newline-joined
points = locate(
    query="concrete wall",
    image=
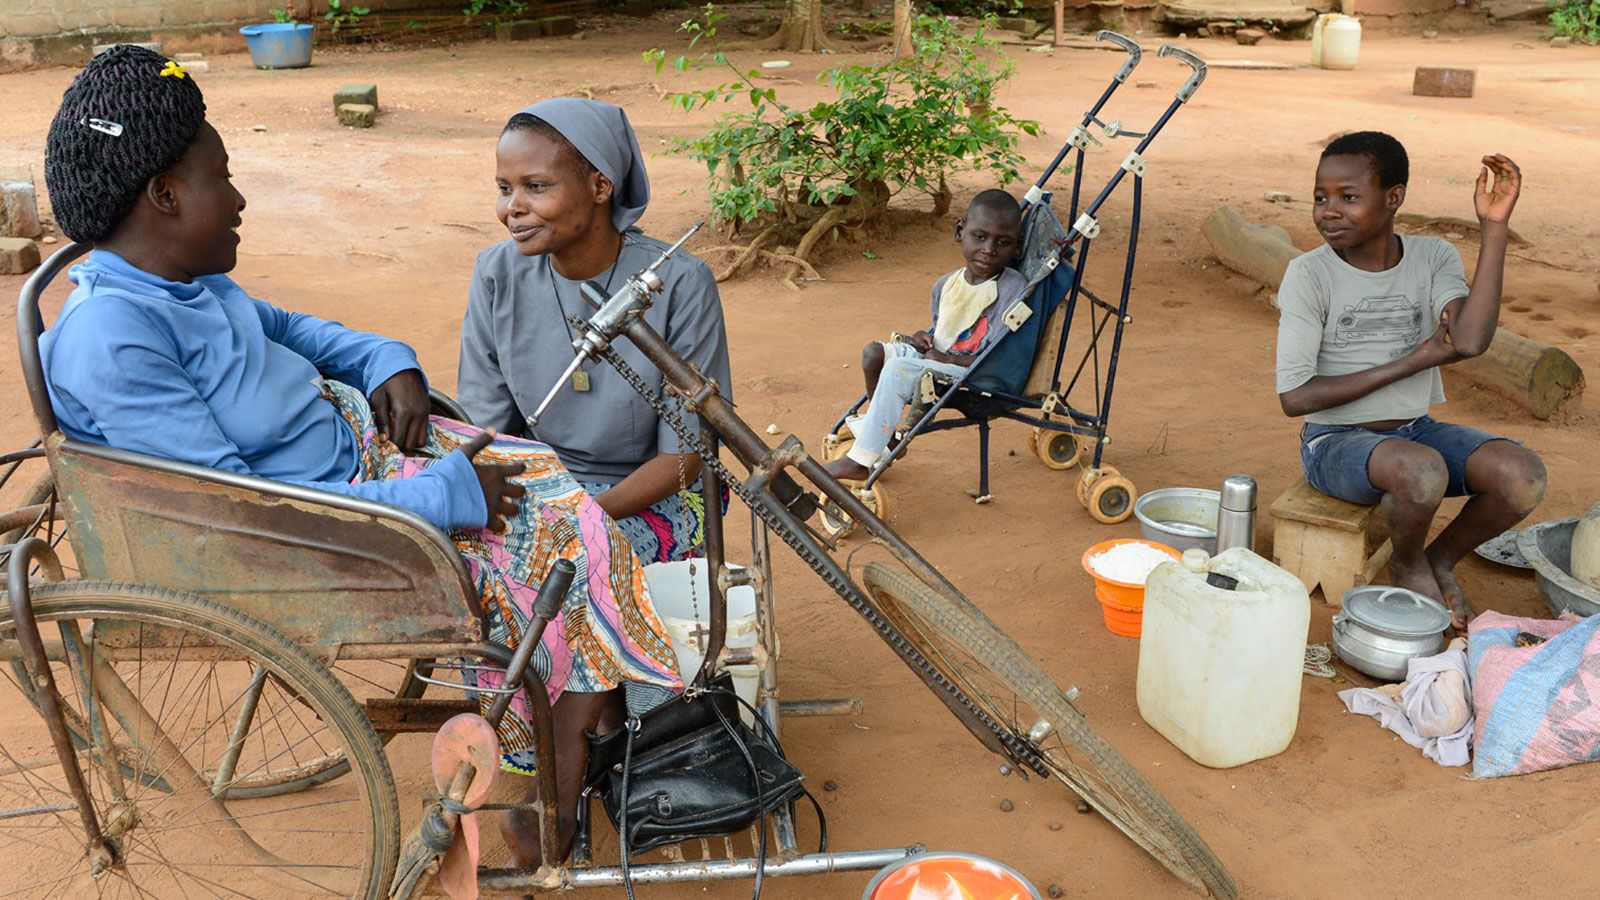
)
(54, 32)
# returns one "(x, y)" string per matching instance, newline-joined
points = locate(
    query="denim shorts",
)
(1335, 456)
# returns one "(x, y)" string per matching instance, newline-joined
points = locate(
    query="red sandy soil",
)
(379, 229)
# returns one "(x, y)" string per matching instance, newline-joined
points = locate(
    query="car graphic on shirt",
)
(1392, 318)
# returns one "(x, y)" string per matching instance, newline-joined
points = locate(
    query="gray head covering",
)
(602, 134)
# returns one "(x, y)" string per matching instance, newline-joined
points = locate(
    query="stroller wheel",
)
(1087, 480)
(835, 446)
(1058, 450)
(836, 524)
(1111, 499)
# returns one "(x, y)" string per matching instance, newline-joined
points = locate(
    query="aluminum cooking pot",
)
(1380, 629)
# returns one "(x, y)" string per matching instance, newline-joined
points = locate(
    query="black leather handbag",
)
(688, 769)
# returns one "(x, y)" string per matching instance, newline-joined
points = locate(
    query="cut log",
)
(1261, 252)
(1540, 379)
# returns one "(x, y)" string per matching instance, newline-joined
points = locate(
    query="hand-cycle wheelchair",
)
(198, 674)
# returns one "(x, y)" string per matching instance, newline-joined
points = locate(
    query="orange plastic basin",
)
(1121, 602)
(949, 876)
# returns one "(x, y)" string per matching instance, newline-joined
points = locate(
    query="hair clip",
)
(174, 69)
(103, 126)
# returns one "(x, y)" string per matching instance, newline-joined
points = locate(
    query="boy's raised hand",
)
(1495, 204)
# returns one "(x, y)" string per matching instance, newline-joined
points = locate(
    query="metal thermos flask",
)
(1236, 513)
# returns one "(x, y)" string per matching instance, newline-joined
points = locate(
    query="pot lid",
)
(1396, 610)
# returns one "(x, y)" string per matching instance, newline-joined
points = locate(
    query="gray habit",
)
(515, 344)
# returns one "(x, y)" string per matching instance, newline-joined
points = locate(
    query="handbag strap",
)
(761, 799)
(632, 724)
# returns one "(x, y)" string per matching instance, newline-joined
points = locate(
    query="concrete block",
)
(1017, 24)
(1444, 81)
(558, 26)
(19, 206)
(1561, 42)
(18, 256)
(357, 115)
(359, 94)
(187, 58)
(196, 67)
(152, 46)
(520, 30)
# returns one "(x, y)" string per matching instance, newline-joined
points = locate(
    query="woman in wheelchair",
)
(158, 351)
(572, 183)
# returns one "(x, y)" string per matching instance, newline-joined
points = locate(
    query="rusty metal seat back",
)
(323, 568)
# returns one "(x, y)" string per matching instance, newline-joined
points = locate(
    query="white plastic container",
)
(1335, 41)
(678, 609)
(1220, 670)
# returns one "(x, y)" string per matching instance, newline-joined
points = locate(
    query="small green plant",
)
(343, 15)
(800, 174)
(281, 16)
(1576, 19)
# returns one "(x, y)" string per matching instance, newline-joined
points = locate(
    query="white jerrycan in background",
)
(1220, 662)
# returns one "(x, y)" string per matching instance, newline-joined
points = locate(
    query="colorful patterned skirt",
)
(669, 530)
(607, 634)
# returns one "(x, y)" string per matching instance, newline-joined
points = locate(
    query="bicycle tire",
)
(938, 625)
(270, 784)
(375, 804)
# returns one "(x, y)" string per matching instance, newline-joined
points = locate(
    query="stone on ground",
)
(1444, 81)
(359, 94)
(1249, 36)
(19, 205)
(558, 26)
(18, 256)
(357, 115)
(519, 30)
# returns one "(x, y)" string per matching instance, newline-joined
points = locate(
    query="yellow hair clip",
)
(174, 69)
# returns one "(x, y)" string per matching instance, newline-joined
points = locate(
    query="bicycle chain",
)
(1021, 751)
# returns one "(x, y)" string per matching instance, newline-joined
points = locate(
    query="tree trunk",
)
(801, 31)
(903, 16)
(1540, 379)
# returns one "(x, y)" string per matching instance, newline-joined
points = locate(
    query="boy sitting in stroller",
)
(967, 306)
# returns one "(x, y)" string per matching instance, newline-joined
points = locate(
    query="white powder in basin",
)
(1128, 563)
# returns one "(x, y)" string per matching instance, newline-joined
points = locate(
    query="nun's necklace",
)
(580, 378)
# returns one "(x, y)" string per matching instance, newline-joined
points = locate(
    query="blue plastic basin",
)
(275, 46)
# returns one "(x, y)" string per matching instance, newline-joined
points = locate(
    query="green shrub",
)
(798, 174)
(1578, 19)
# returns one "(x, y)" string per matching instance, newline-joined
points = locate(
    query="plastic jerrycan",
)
(1221, 659)
(1335, 41)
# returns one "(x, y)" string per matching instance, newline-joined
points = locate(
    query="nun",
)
(572, 186)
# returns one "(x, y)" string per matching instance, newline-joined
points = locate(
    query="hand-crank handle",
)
(1126, 43)
(1193, 62)
(554, 590)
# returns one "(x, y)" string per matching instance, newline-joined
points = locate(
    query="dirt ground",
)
(379, 229)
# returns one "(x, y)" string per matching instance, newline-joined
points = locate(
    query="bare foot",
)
(1461, 611)
(519, 828)
(846, 469)
(1417, 577)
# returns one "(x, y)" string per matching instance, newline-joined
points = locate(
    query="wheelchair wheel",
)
(1013, 690)
(837, 525)
(362, 678)
(1058, 450)
(187, 697)
(1111, 499)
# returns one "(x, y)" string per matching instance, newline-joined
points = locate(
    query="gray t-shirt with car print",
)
(1335, 319)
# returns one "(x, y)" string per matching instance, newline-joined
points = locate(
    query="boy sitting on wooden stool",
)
(1366, 322)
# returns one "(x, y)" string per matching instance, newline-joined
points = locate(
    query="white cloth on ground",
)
(1433, 711)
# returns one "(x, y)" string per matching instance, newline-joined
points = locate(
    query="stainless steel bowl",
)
(1179, 517)
(1548, 548)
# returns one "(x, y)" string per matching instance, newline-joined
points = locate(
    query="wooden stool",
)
(1327, 542)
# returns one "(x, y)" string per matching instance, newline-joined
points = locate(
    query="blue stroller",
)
(1019, 376)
